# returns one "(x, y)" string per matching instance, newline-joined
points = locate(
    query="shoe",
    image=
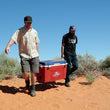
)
(67, 84)
(33, 94)
(26, 90)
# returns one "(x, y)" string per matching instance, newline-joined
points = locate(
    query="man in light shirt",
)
(27, 39)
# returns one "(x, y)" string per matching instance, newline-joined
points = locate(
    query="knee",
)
(76, 66)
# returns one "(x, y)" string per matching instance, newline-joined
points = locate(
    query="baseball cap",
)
(27, 19)
(72, 28)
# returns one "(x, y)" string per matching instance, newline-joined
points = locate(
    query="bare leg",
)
(33, 78)
(26, 76)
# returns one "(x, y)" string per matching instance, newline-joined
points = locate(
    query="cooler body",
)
(52, 70)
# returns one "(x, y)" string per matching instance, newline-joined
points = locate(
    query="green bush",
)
(106, 63)
(86, 63)
(90, 77)
(9, 66)
(105, 67)
(18, 71)
(106, 72)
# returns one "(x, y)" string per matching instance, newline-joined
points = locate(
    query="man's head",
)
(28, 21)
(72, 29)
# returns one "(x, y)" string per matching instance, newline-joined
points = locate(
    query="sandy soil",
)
(55, 96)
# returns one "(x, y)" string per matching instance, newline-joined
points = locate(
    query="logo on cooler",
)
(56, 74)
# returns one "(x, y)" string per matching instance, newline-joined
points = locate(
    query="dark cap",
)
(27, 19)
(72, 28)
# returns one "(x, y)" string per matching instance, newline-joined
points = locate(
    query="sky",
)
(52, 18)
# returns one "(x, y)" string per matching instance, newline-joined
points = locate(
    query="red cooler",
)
(52, 70)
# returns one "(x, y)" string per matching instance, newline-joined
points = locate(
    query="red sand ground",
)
(55, 96)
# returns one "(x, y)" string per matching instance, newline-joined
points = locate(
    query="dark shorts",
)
(30, 64)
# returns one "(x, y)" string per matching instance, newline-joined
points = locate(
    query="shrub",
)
(105, 64)
(8, 66)
(18, 71)
(105, 67)
(90, 77)
(86, 63)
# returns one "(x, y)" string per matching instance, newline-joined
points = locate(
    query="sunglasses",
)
(28, 22)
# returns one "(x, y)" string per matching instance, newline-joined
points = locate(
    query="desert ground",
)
(55, 96)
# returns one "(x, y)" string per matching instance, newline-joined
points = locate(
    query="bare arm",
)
(37, 46)
(7, 49)
(62, 50)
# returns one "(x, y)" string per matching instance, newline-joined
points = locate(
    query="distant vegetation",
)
(105, 67)
(88, 67)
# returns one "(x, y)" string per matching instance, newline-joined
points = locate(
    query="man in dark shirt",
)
(68, 52)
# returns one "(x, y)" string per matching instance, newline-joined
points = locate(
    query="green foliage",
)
(2, 76)
(90, 77)
(105, 67)
(106, 72)
(86, 63)
(8, 66)
(106, 63)
(18, 70)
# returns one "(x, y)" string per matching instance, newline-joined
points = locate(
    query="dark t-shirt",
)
(70, 42)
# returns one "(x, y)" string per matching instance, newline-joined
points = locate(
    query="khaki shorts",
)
(30, 64)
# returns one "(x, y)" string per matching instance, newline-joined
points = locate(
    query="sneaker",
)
(33, 94)
(67, 84)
